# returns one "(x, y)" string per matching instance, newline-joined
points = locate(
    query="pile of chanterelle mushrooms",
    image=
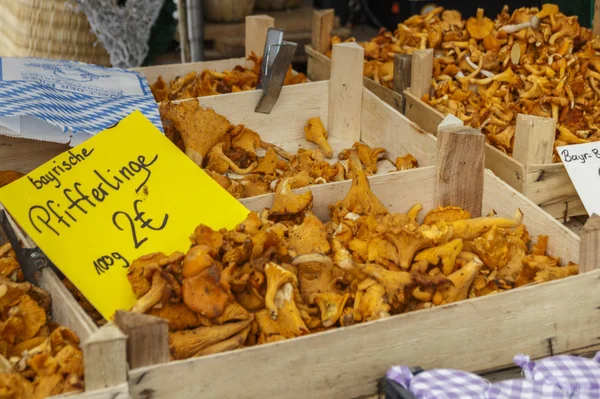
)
(210, 82)
(536, 62)
(246, 166)
(38, 358)
(283, 273)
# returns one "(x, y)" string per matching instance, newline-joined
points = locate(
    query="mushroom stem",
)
(484, 72)
(238, 170)
(533, 23)
(153, 296)
(307, 258)
(278, 150)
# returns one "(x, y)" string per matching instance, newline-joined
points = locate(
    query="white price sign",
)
(582, 162)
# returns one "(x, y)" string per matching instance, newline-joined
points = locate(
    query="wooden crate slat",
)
(318, 66)
(347, 362)
(460, 148)
(507, 168)
(383, 126)
(117, 392)
(25, 155)
(548, 184)
(295, 106)
(258, 25)
(420, 113)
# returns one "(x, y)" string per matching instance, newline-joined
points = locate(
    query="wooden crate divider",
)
(460, 150)
(589, 257)
(147, 338)
(322, 25)
(104, 358)
(345, 91)
(402, 75)
(256, 33)
(421, 70)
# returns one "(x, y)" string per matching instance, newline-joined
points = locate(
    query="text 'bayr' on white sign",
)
(582, 162)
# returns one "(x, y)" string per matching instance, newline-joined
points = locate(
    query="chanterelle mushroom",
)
(446, 214)
(39, 358)
(277, 276)
(309, 237)
(371, 300)
(203, 288)
(360, 199)
(331, 306)
(479, 26)
(315, 132)
(315, 275)
(220, 163)
(268, 164)
(246, 139)
(367, 156)
(406, 162)
(445, 253)
(471, 228)
(199, 129)
(190, 343)
(288, 203)
(461, 282)
(288, 323)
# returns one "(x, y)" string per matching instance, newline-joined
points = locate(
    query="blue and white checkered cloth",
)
(556, 377)
(73, 96)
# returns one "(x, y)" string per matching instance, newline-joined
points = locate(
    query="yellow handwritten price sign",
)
(124, 193)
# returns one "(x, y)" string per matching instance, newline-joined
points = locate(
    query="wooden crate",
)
(105, 363)
(319, 65)
(478, 335)
(350, 113)
(530, 171)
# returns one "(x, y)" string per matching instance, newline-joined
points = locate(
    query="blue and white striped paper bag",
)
(67, 101)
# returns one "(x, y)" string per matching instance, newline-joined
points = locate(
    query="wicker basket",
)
(227, 10)
(277, 4)
(48, 29)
